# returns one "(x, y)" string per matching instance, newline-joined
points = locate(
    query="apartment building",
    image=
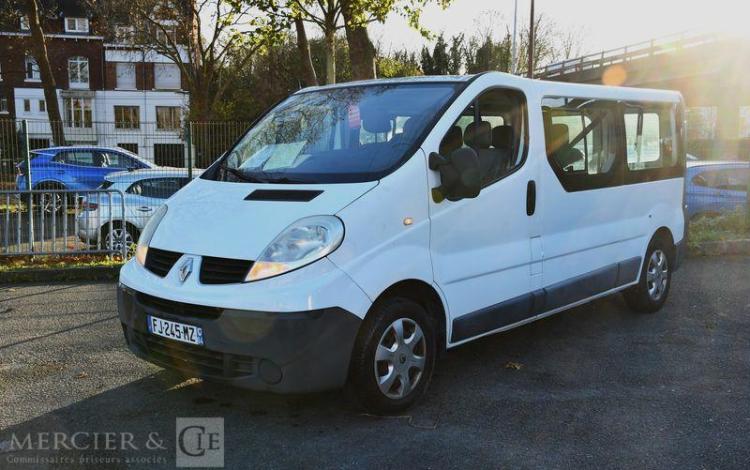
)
(109, 93)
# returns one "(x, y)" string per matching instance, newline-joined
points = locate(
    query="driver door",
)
(486, 250)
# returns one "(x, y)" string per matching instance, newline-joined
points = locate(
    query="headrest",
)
(376, 121)
(560, 134)
(453, 140)
(478, 135)
(410, 126)
(502, 137)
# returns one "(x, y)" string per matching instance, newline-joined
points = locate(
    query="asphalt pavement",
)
(593, 387)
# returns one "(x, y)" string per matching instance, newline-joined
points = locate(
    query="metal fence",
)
(41, 222)
(106, 177)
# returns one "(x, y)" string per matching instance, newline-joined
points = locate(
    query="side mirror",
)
(460, 175)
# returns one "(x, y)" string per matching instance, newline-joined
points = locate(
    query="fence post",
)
(30, 202)
(189, 143)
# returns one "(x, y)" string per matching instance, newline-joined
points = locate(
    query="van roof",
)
(549, 88)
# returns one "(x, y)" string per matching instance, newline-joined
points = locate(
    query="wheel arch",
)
(424, 294)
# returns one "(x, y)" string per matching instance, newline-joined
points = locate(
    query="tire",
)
(400, 360)
(114, 243)
(649, 295)
(44, 202)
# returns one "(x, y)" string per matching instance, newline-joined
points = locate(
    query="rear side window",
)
(116, 160)
(80, 158)
(735, 179)
(583, 142)
(649, 136)
(158, 188)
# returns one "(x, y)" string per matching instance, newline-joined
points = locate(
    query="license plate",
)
(174, 330)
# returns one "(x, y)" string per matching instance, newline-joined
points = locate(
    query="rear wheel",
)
(394, 356)
(651, 292)
(120, 234)
(51, 201)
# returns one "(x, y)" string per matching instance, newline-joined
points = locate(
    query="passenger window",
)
(158, 188)
(729, 180)
(581, 135)
(80, 158)
(494, 125)
(649, 131)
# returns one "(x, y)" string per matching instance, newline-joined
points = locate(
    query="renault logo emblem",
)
(186, 268)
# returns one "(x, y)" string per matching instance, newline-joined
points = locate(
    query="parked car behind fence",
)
(74, 168)
(144, 191)
(715, 188)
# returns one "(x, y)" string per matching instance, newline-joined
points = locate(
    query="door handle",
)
(531, 198)
(145, 209)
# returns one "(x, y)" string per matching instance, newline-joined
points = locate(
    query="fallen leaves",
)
(514, 365)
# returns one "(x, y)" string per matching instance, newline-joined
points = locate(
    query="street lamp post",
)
(514, 48)
(530, 72)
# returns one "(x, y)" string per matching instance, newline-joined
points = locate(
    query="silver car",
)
(143, 190)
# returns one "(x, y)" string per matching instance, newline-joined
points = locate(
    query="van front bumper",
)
(283, 352)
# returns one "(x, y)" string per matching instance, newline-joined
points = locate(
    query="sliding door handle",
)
(531, 198)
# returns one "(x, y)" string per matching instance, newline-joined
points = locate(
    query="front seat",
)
(479, 137)
(503, 141)
(562, 152)
(453, 140)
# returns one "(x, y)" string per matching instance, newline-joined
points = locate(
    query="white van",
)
(358, 230)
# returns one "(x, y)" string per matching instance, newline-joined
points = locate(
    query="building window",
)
(42, 106)
(27, 106)
(166, 34)
(32, 70)
(23, 23)
(125, 76)
(76, 25)
(127, 117)
(78, 112)
(167, 77)
(130, 147)
(3, 104)
(78, 72)
(167, 117)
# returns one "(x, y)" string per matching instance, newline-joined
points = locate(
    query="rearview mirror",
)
(459, 175)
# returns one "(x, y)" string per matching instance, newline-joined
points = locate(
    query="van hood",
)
(221, 219)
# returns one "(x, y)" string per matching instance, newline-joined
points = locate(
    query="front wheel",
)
(394, 356)
(651, 292)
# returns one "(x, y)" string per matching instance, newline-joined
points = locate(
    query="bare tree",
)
(13, 11)
(202, 37)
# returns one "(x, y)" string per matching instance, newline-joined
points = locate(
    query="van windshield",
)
(337, 135)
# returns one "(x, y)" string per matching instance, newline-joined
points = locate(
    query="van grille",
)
(160, 262)
(223, 270)
(178, 308)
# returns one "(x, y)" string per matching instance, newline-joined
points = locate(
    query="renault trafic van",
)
(358, 230)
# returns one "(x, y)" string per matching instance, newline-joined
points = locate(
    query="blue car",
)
(714, 188)
(75, 168)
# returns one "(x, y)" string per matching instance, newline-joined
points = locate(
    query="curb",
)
(721, 248)
(92, 273)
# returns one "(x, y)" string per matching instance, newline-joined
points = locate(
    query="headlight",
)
(148, 232)
(300, 244)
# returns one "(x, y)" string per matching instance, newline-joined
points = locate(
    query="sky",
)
(605, 24)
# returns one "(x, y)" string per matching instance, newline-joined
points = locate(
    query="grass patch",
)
(733, 226)
(58, 262)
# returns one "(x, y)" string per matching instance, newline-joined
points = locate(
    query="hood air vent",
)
(288, 195)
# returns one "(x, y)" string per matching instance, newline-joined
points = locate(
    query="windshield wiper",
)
(242, 176)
